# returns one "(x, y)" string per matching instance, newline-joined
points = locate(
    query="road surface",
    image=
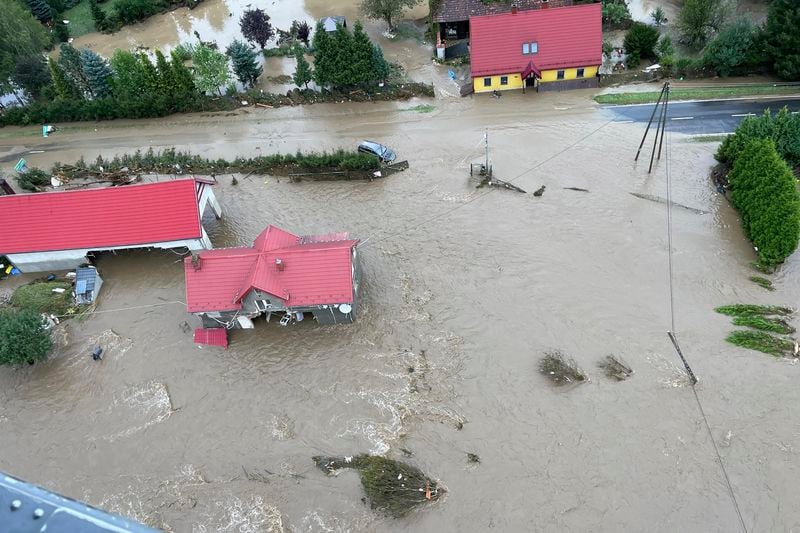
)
(718, 116)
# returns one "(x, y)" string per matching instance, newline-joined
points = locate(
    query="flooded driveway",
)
(464, 291)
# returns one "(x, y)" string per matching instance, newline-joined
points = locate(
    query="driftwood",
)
(575, 189)
(494, 182)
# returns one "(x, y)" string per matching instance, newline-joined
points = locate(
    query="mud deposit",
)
(468, 288)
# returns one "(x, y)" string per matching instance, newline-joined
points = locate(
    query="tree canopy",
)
(210, 69)
(255, 27)
(245, 64)
(302, 75)
(698, 20)
(21, 35)
(732, 48)
(782, 32)
(23, 338)
(345, 59)
(97, 72)
(388, 10)
(31, 74)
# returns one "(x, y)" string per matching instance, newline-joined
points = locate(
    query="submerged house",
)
(57, 230)
(549, 49)
(282, 274)
(329, 23)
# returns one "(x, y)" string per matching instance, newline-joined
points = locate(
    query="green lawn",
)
(696, 93)
(80, 18)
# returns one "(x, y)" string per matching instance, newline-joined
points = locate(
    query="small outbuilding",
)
(282, 275)
(87, 285)
(329, 23)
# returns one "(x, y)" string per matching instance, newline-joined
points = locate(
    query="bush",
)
(783, 128)
(40, 298)
(23, 338)
(129, 11)
(783, 38)
(641, 39)
(664, 47)
(699, 19)
(616, 13)
(765, 192)
(733, 49)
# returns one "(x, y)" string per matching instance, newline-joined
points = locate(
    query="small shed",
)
(87, 284)
(211, 337)
(329, 23)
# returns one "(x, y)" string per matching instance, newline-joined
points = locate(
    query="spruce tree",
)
(99, 16)
(149, 74)
(245, 64)
(60, 30)
(362, 57)
(98, 73)
(344, 74)
(782, 32)
(31, 74)
(63, 86)
(69, 59)
(323, 60)
(183, 79)
(40, 9)
(379, 63)
(166, 77)
(303, 73)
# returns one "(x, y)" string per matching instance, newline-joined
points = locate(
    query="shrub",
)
(783, 128)
(765, 192)
(658, 16)
(128, 11)
(23, 338)
(783, 38)
(641, 39)
(732, 48)
(664, 47)
(615, 12)
(40, 298)
(699, 19)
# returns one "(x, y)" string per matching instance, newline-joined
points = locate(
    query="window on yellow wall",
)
(560, 75)
(579, 74)
(503, 80)
(487, 82)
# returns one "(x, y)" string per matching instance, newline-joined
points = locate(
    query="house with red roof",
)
(282, 274)
(58, 230)
(549, 49)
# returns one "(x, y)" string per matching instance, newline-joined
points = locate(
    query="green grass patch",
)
(40, 298)
(285, 50)
(772, 325)
(762, 342)
(422, 108)
(80, 18)
(695, 93)
(753, 310)
(762, 282)
(707, 138)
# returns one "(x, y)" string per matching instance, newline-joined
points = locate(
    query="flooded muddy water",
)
(466, 287)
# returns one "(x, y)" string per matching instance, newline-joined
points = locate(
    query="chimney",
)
(279, 266)
(196, 262)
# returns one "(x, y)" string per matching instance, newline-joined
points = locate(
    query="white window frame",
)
(526, 49)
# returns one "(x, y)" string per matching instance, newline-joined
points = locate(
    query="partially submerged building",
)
(58, 230)
(281, 274)
(329, 24)
(548, 49)
(87, 285)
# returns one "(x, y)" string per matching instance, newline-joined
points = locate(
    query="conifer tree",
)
(362, 57)
(323, 64)
(166, 76)
(40, 9)
(302, 75)
(98, 73)
(245, 64)
(379, 64)
(183, 78)
(341, 52)
(62, 85)
(69, 59)
(149, 74)
(98, 15)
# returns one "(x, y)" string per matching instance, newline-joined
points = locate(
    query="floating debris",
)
(762, 282)
(615, 368)
(392, 487)
(575, 189)
(539, 191)
(560, 369)
(664, 201)
(473, 458)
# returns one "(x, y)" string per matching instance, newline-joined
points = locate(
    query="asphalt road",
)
(721, 116)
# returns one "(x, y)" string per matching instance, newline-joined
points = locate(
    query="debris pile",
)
(615, 368)
(392, 487)
(560, 369)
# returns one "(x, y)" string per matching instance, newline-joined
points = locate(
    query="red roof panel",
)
(99, 218)
(313, 273)
(567, 37)
(211, 336)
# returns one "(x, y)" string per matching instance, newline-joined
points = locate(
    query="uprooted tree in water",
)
(392, 487)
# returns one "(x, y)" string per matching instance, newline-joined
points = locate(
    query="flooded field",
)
(465, 289)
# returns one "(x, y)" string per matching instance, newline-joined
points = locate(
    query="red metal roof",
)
(211, 336)
(96, 219)
(313, 273)
(568, 37)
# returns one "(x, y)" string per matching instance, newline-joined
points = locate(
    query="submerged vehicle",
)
(385, 153)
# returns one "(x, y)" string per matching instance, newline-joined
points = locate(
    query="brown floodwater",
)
(467, 287)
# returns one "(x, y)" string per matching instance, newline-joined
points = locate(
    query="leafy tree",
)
(658, 16)
(764, 190)
(302, 30)
(302, 75)
(31, 74)
(63, 86)
(128, 81)
(211, 69)
(245, 64)
(699, 19)
(255, 27)
(40, 9)
(99, 16)
(641, 40)
(323, 57)
(23, 338)
(732, 48)
(21, 35)
(782, 32)
(69, 59)
(97, 72)
(616, 12)
(664, 48)
(388, 10)
(783, 129)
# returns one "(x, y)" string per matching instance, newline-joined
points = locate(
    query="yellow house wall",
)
(514, 82)
(569, 74)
